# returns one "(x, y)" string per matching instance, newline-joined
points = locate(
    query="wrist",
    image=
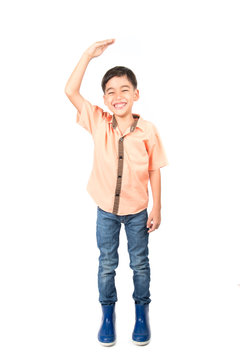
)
(157, 207)
(87, 56)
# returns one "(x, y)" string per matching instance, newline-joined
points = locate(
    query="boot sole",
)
(107, 344)
(141, 343)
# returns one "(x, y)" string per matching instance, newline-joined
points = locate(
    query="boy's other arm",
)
(155, 181)
(72, 88)
(155, 214)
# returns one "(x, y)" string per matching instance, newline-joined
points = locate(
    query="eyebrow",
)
(120, 87)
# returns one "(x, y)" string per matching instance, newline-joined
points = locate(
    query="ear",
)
(104, 99)
(136, 95)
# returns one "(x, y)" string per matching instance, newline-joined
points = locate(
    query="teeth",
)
(118, 106)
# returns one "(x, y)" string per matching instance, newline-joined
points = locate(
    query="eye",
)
(110, 93)
(125, 90)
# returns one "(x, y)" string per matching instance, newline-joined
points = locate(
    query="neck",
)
(128, 118)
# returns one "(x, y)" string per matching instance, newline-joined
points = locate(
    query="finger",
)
(149, 227)
(154, 226)
(149, 222)
(105, 42)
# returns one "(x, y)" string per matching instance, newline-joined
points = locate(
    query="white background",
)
(186, 57)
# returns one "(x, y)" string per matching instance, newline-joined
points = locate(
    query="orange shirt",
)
(119, 179)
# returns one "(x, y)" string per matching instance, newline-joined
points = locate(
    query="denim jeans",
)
(107, 231)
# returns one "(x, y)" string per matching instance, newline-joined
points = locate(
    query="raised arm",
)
(72, 88)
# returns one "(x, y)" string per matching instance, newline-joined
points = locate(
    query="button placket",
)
(120, 163)
(119, 175)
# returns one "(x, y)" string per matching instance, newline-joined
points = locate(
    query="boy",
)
(127, 153)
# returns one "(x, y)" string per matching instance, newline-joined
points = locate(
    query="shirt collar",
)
(137, 122)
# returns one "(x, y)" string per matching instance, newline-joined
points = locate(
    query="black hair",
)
(119, 71)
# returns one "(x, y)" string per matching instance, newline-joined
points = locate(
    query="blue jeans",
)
(107, 232)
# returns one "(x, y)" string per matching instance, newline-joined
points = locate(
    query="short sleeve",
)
(156, 152)
(90, 116)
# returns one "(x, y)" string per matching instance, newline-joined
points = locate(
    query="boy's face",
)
(120, 95)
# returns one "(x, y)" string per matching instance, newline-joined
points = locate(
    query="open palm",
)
(98, 47)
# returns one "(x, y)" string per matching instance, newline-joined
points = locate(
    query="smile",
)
(120, 105)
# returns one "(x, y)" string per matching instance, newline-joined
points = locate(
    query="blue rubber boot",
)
(107, 334)
(141, 334)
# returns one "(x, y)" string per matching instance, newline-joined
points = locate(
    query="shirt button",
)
(121, 139)
(120, 157)
(119, 176)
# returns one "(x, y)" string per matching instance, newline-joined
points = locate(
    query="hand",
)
(155, 216)
(98, 48)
